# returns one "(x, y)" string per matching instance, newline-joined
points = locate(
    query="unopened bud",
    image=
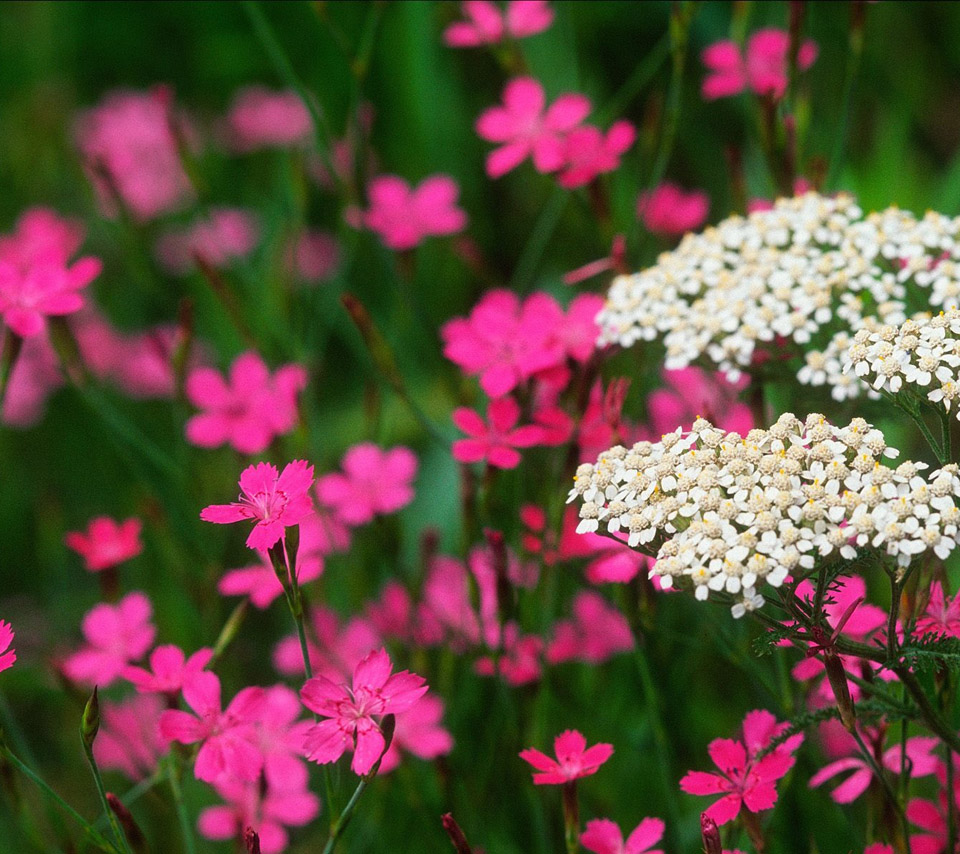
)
(456, 834)
(138, 842)
(710, 834)
(252, 841)
(841, 690)
(90, 722)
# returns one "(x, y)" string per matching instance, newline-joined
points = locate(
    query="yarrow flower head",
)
(486, 24)
(353, 714)
(725, 512)
(670, 211)
(574, 759)
(275, 501)
(763, 70)
(106, 543)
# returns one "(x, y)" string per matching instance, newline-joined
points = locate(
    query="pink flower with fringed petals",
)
(496, 442)
(942, 614)
(589, 152)
(603, 836)
(764, 69)
(106, 543)
(41, 234)
(48, 288)
(169, 669)
(525, 127)
(486, 25)
(353, 713)
(262, 118)
(597, 632)
(129, 738)
(420, 732)
(574, 759)
(668, 210)
(275, 501)
(373, 482)
(228, 746)
(8, 656)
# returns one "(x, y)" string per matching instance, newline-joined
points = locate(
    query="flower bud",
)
(251, 839)
(456, 834)
(710, 834)
(138, 842)
(90, 722)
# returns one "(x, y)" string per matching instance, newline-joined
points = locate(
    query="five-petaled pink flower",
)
(603, 836)
(46, 288)
(8, 656)
(574, 759)
(496, 442)
(116, 635)
(169, 670)
(744, 779)
(764, 70)
(486, 25)
(671, 211)
(353, 714)
(942, 615)
(262, 118)
(589, 152)
(374, 482)
(247, 410)
(275, 501)
(229, 736)
(221, 237)
(524, 129)
(403, 217)
(106, 543)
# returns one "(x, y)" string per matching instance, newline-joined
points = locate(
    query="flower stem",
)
(102, 792)
(173, 775)
(900, 832)
(571, 817)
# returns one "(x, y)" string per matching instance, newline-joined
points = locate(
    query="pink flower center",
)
(266, 505)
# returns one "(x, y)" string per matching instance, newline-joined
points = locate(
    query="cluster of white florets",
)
(728, 513)
(811, 268)
(919, 357)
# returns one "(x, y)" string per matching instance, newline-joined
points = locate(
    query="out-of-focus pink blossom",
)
(495, 443)
(693, 393)
(276, 501)
(588, 152)
(763, 70)
(129, 149)
(598, 631)
(339, 650)
(129, 738)
(41, 234)
(519, 661)
(603, 836)
(616, 261)
(942, 614)
(404, 216)
(670, 211)
(261, 118)
(8, 656)
(485, 23)
(315, 257)
(525, 127)
(280, 733)
(800, 186)
(373, 482)
(220, 238)
(353, 714)
(419, 731)
(106, 543)
(169, 669)
(743, 778)
(227, 737)
(116, 635)
(574, 759)
(35, 375)
(249, 409)
(932, 818)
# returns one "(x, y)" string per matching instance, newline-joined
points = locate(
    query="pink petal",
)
(370, 745)
(507, 157)
(469, 422)
(602, 836)
(728, 755)
(224, 514)
(726, 809)
(649, 832)
(325, 742)
(503, 413)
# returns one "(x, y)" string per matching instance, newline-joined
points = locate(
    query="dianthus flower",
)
(249, 409)
(574, 759)
(403, 217)
(670, 211)
(315, 257)
(106, 543)
(374, 482)
(116, 635)
(275, 501)
(519, 661)
(744, 779)
(41, 234)
(169, 669)
(485, 23)
(8, 656)
(941, 616)
(764, 70)
(35, 375)
(933, 817)
(588, 152)
(227, 737)
(221, 237)
(419, 731)
(129, 738)
(497, 442)
(261, 118)
(597, 632)
(338, 651)
(603, 836)
(525, 129)
(692, 392)
(353, 714)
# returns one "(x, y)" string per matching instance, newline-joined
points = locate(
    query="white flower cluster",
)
(728, 512)
(924, 352)
(810, 268)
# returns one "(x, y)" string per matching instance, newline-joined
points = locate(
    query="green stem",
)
(930, 716)
(186, 831)
(900, 840)
(102, 792)
(850, 76)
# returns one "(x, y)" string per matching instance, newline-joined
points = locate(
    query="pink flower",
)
(497, 442)
(261, 118)
(116, 635)
(41, 234)
(315, 257)
(942, 615)
(129, 739)
(220, 238)
(403, 217)
(129, 148)
(669, 211)
(280, 733)
(744, 780)
(589, 153)
(8, 656)
(35, 375)
(249, 409)
(374, 482)
(519, 659)
(339, 649)
(228, 737)
(597, 632)
(693, 392)
(574, 759)
(47, 288)
(932, 818)
(525, 129)
(276, 502)
(169, 669)
(350, 712)
(419, 731)
(486, 25)
(764, 70)
(106, 543)
(603, 836)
